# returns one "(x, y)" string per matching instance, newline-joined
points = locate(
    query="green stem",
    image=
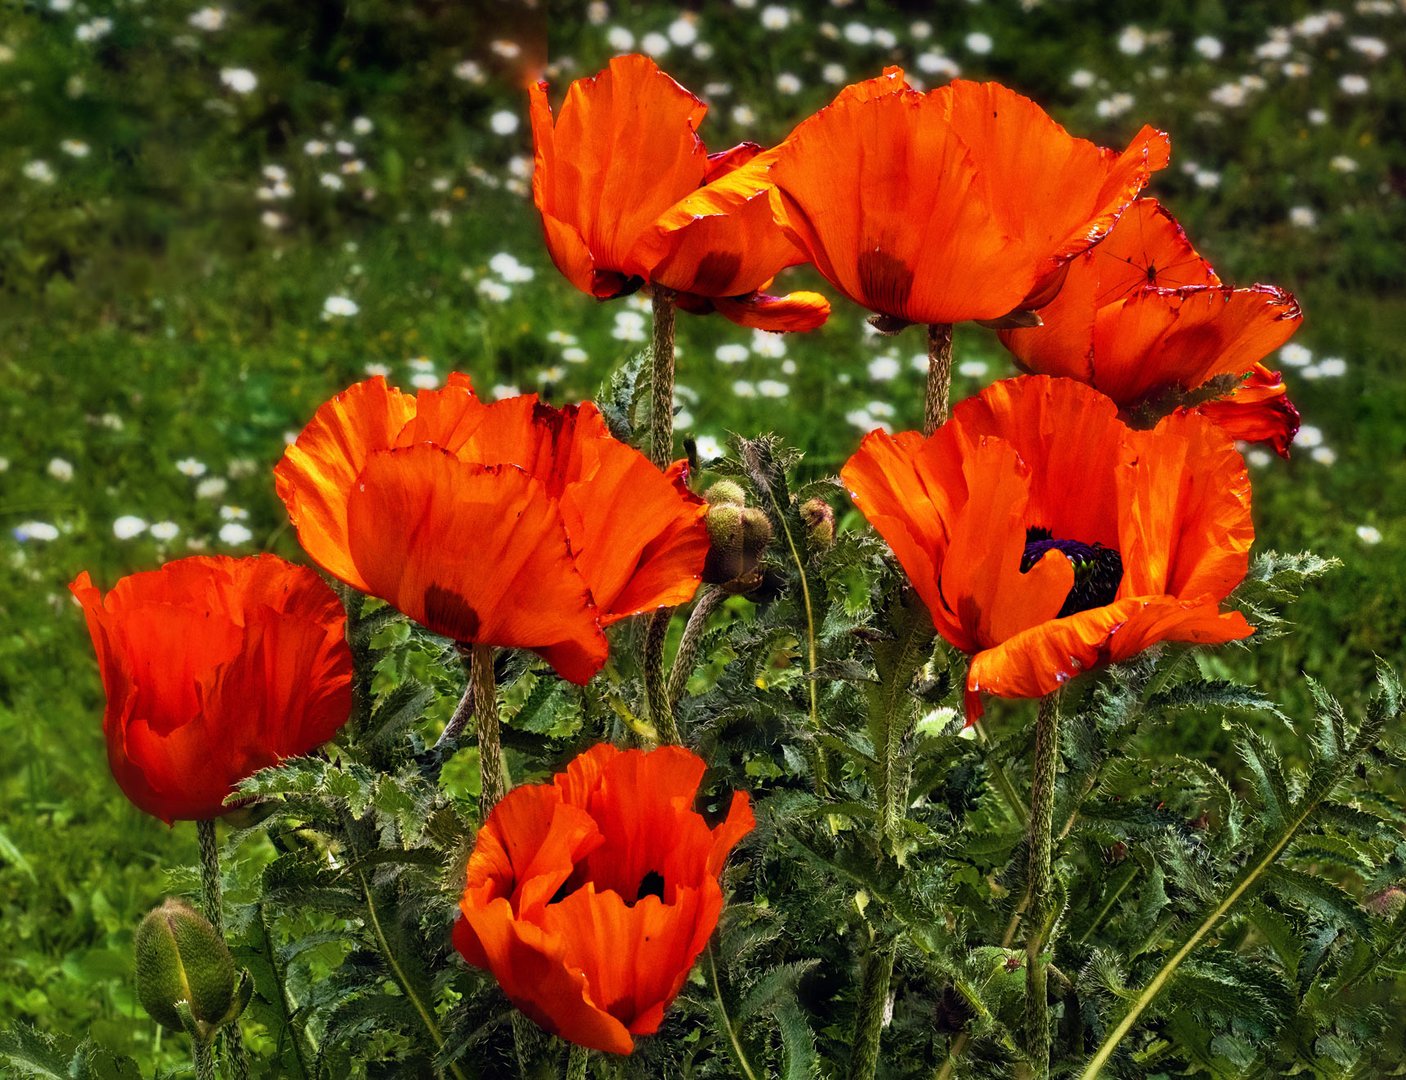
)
(1013, 799)
(869, 1018)
(709, 598)
(204, 1059)
(739, 1055)
(464, 711)
(661, 409)
(399, 973)
(576, 1063)
(939, 386)
(661, 710)
(280, 981)
(212, 901)
(492, 779)
(1040, 845)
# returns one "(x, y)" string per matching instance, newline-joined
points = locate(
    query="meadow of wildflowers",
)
(219, 216)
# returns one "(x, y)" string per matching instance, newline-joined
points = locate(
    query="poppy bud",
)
(726, 493)
(819, 518)
(738, 536)
(186, 979)
(1386, 903)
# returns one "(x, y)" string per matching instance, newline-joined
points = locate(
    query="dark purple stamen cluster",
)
(1098, 570)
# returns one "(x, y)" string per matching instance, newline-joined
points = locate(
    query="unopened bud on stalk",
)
(739, 537)
(186, 978)
(819, 519)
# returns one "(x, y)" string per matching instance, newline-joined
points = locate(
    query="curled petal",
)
(1259, 411)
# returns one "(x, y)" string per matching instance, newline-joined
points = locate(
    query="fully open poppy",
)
(215, 668)
(629, 197)
(1047, 538)
(962, 203)
(589, 898)
(511, 523)
(1145, 319)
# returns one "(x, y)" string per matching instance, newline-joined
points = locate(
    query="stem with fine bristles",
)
(492, 779)
(661, 709)
(939, 376)
(661, 409)
(1040, 843)
(213, 902)
(709, 597)
(873, 1005)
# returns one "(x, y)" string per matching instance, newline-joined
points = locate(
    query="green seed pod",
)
(180, 958)
(740, 536)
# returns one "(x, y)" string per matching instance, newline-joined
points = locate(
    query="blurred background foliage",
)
(214, 217)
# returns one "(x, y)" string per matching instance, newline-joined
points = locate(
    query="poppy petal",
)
(456, 545)
(1258, 411)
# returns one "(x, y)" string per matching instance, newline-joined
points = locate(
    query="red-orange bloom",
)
(630, 197)
(511, 523)
(589, 898)
(962, 203)
(1142, 316)
(215, 668)
(1047, 538)
(1259, 410)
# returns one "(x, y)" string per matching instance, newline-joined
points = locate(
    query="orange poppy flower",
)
(511, 523)
(629, 197)
(962, 203)
(1258, 410)
(589, 898)
(1142, 316)
(1047, 538)
(215, 668)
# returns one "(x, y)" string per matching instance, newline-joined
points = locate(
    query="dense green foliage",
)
(163, 335)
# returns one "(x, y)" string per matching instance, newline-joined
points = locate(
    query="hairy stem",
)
(492, 780)
(576, 1063)
(204, 1059)
(464, 711)
(709, 597)
(212, 900)
(739, 1055)
(869, 1019)
(1040, 843)
(661, 409)
(661, 709)
(939, 376)
(295, 1037)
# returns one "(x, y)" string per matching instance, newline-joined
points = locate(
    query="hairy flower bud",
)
(726, 493)
(819, 518)
(186, 977)
(740, 536)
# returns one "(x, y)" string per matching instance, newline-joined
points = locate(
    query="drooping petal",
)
(458, 547)
(796, 312)
(1258, 411)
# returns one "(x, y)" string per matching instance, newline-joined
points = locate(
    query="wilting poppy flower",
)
(1258, 410)
(962, 203)
(215, 668)
(511, 523)
(629, 197)
(589, 898)
(1145, 319)
(1047, 538)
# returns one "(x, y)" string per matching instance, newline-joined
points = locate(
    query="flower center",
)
(1098, 570)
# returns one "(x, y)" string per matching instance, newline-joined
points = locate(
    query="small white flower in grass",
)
(561, 337)
(1257, 458)
(744, 116)
(1370, 47)
(7, 54)
(508, 268)
(1132, 40)
(61, 469)
(373, 370)
(74, 148)
(504, 390)
(620, 39)
(1295, 69)
(979, 43)
(469, 71)
(744, 5)
(4, 464)
(788, 367)
(553, 374)
(240, 80)
(856, 33)
(744, 389)
(773, 388)
(1343, 164)
(128, 526)
(331, 181)
(39, 171)
(732, 353)
(289, 438)
(1324, 455)
(208, 19)
(495, 291)
(35, 530)
(684, 393)
(629, 326)
(883, 368)
(884, 39)
(1295, 355)
(772, 346)
(425, 380)
(1274, 49)
(1231, 95)
(703, 51)
(420, 363)
(881, 409)
(504, 122)
(1209, 47)
(1206, 178)
(93, 30)
(1332, 367)
(972, 369)
(683, 31)
(339, 307)
(242, 467)
(775, 17)
(574, 354)
(1369, 534)
(192, 467)
(920, 30)
(787, 83)
(1309, 436)
(683, 419)
(165, 531)
(708, 447)
(315, 148)
(1354, 85)
(654, 44)
(834, 74)
(1081, 78)
(60, 5)
(1302, 217)
(272, 219)
(1317, 117)
(214, 487)
(234, 534)
(597, 11)
(1114, 106)
(1312, 373)
(233, 513)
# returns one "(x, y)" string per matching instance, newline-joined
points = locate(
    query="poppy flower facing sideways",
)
(511, 523)
(1048, 538)
(589, 898)
(1143, 318)
(629, 197)
(215, 668)
(962, 203)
